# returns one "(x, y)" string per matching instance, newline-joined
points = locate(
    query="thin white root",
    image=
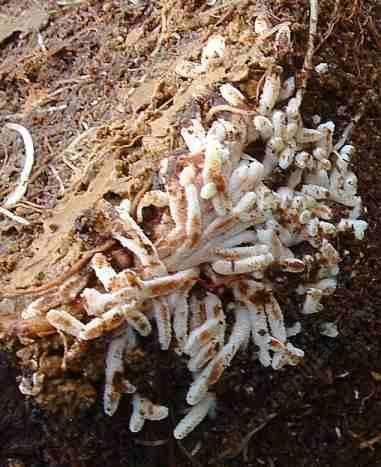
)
(14, 217)
(20, 190)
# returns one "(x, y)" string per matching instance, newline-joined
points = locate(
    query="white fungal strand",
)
(232, 95)
(203, 356)
(22, 184)
(163, 321)
(180, 318)
(264, 127)
(127, 286)
(283, 39)
(270, 93)
(213, 371)
(275, 319)
(143, 409)
(329, 329)
(32, 386)
(312, 302)
(64, 321)
(287, 89)
(113, 318)
(215, 48)
(137, 418)
(137, 320)
(103, 270)
(201, 336)
(262, 24)
(242, 266)
(216, 156)
(358, 227)
(114, 367)
(40, 306)
(195, 416)
(285, 354)
(155, 198)
(194, 136)
(65, 294)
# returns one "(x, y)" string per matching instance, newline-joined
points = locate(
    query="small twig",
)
(78, 139)
(335, 19)
(224, 17)
(163, 30)
(29, 205)
(44, 163)
(373, 30)
(196, 449)
(6, 156)
(227, 108)
(25, 202)
(370, 442)
(132, 142)
(80, 79)
(192, 460)
(247, 438)
(260, 86)
(77, 266)
(69, 164)
(354, 10)
(229, 4)
(140, 195)
(70, 2)
(269, 32)
(39, 170)
(50, 109)
(307, 65)
(164, 104)
(57, 176)
(37, 106)
(41, 43)
(349, 128)
(145, 442)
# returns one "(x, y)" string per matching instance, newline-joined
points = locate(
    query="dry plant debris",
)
(30, 20)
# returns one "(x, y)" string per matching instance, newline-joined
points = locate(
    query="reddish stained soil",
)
(321, 413)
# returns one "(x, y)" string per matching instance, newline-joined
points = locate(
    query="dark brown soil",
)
(326, 412)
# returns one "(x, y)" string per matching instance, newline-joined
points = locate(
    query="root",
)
(349, 128)
(20, 190)
(77, 266)
(14, 217)
(307, 65)
(227, 108)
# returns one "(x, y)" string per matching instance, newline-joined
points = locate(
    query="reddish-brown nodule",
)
(260, 297)
(122, 258)
(205, 337)
(216, 372)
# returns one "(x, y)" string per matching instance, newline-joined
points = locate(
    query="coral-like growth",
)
(223, 224)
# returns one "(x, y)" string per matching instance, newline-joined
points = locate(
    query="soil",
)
(78, 74)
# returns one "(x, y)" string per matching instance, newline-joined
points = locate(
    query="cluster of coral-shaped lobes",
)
(220, 225)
